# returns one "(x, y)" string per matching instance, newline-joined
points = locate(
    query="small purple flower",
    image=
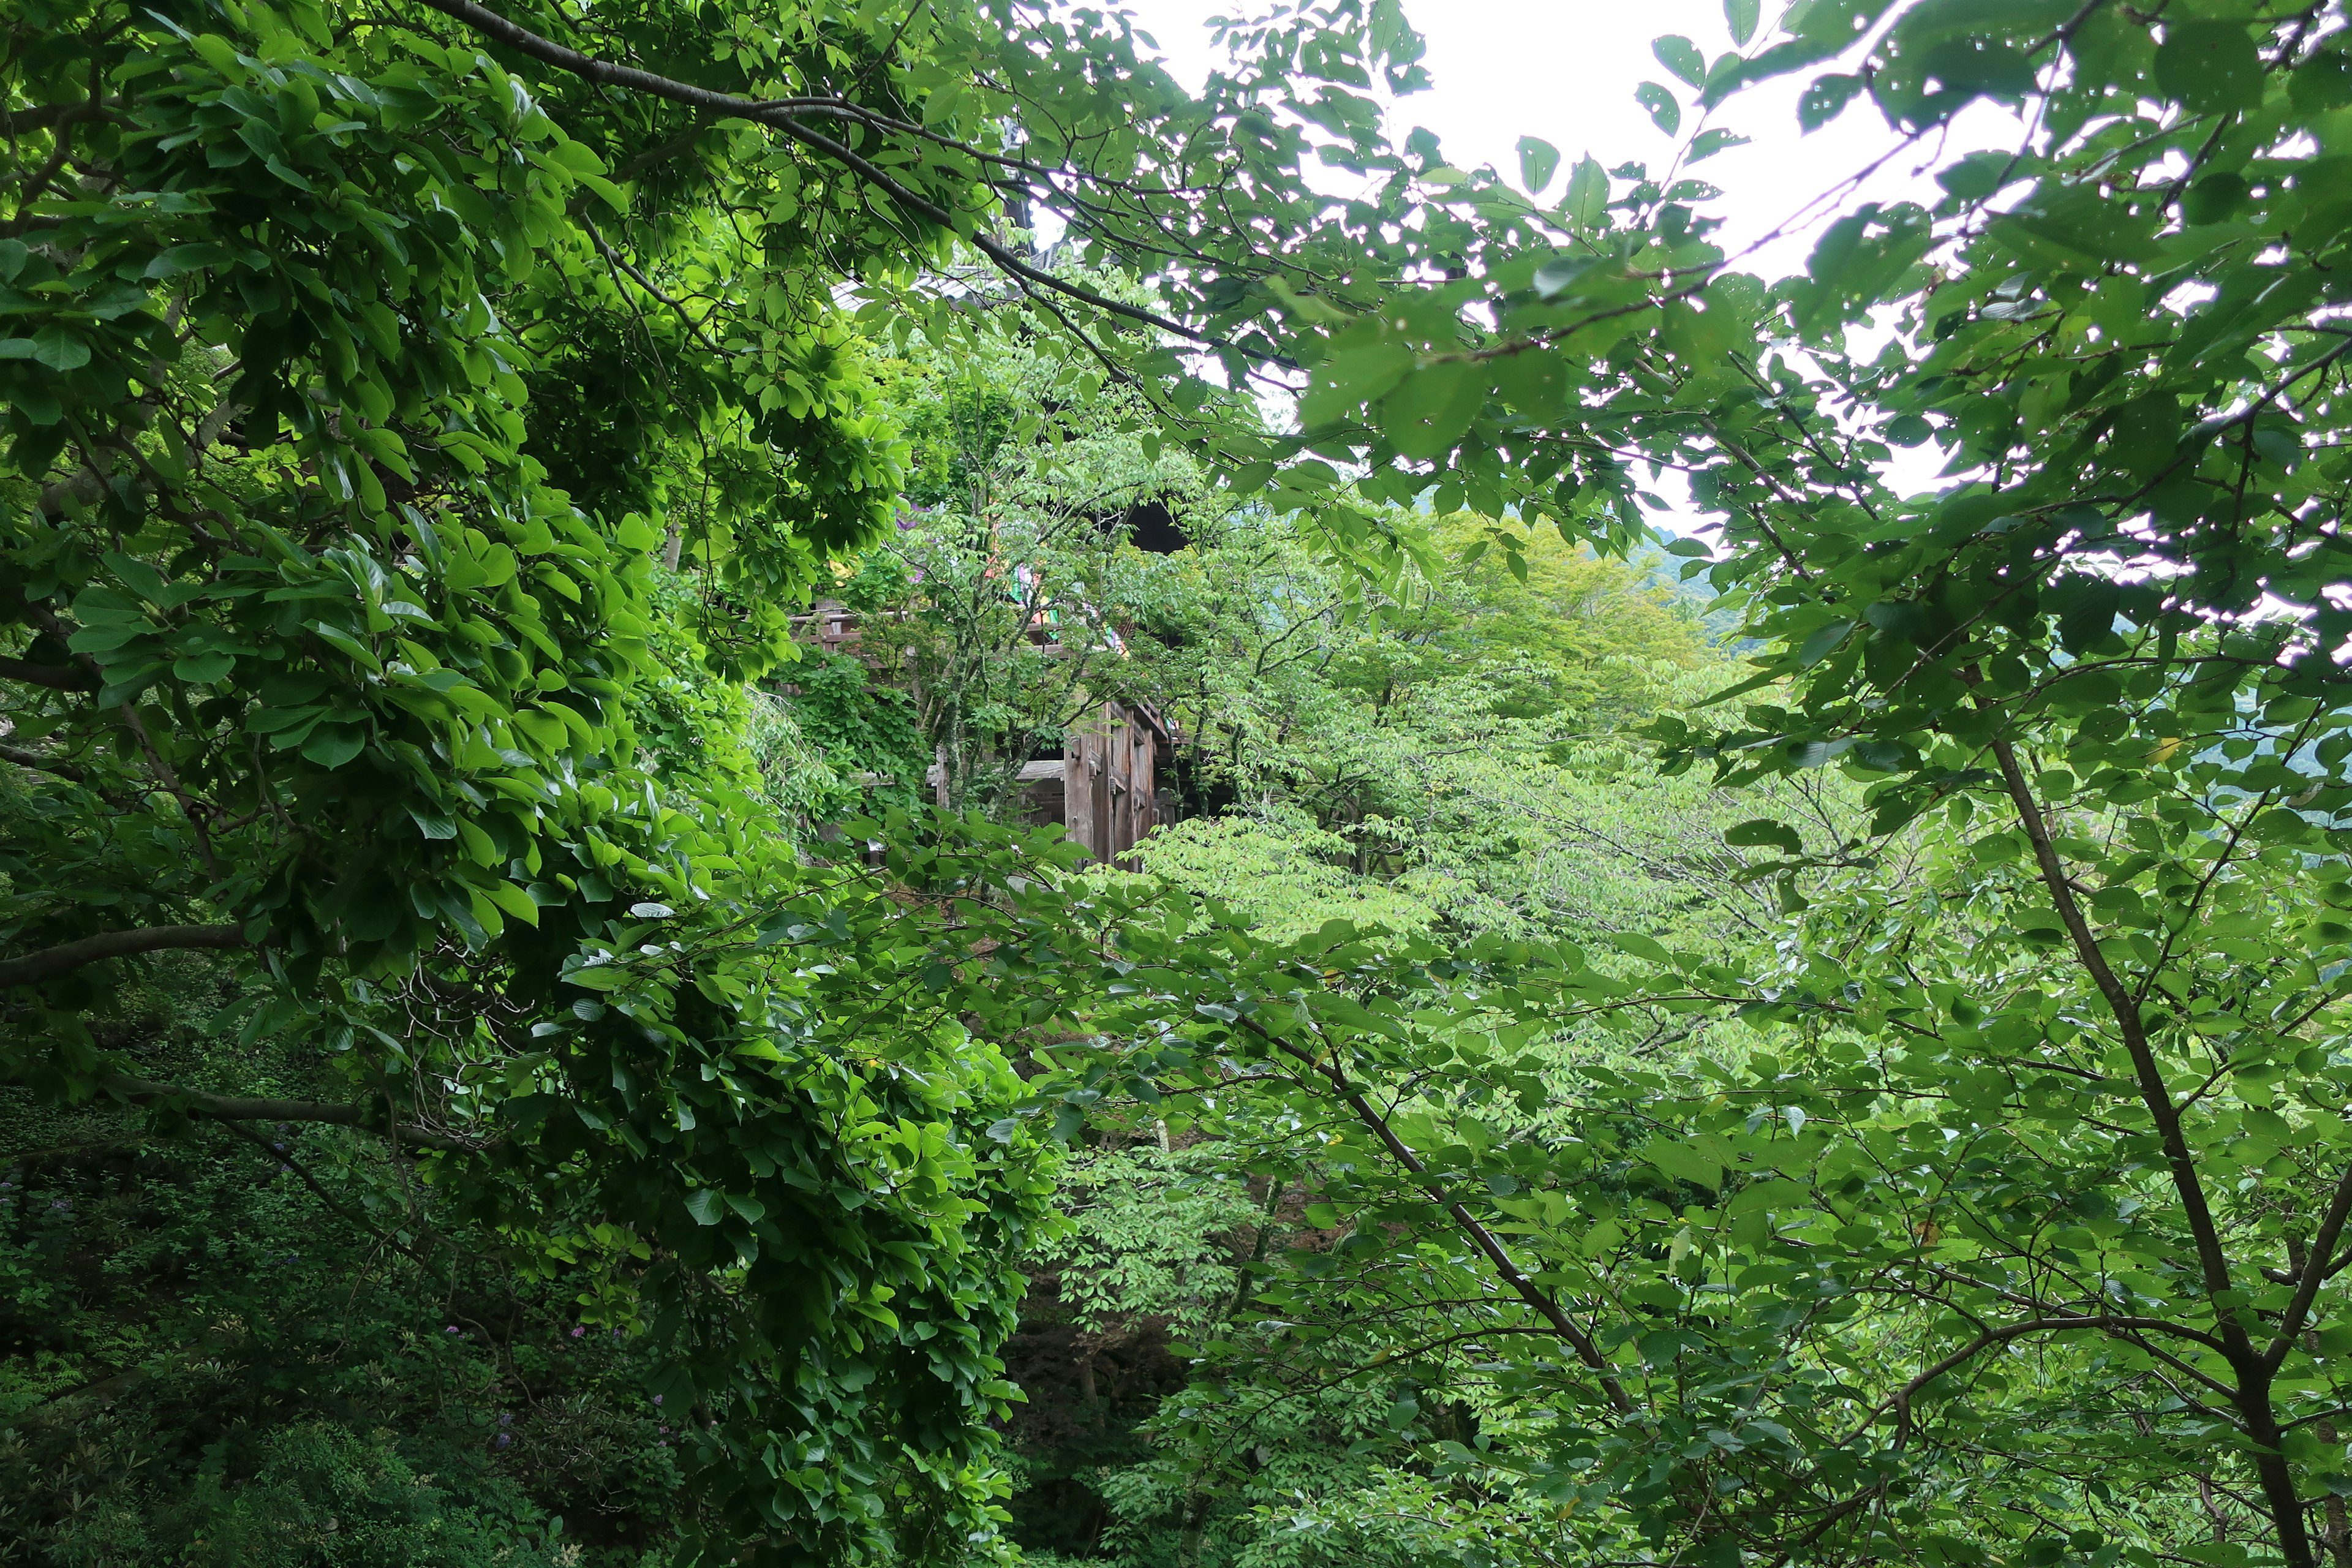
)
(578, 1331)
(450, 1330)
(506, 1417)
(280, 1147)
(503, 1439)
(664, 1431)
(657, 1399)
(285, 1167)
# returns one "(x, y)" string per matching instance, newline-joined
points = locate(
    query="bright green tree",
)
(2027, 1226)
(358, 369)
(2022, 1236)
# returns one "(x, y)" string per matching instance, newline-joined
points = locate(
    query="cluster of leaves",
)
(357, 374)
(993, 615)
(1921, 1276)
(1456, 749)
(314, 662)
(2022, 1236)
(199, 1369)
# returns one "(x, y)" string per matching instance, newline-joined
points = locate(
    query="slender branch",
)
(358, 1221)
(623, 264)
(1480, 1236)
(1829, 1521)
(2323, 1248)
(781, 117)
(2213, 1261)
(1899, 1403)
(41, 762)
(51, 962)
(16, 122)
(231, 1109)
(2253, 1369)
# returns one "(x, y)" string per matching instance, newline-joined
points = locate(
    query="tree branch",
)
(2252, 1367)
(2314, 1272)
(623, 264)
(1480, 1236)
(42, 763)
(779, 116)
(231, 1109)
(51, 962)
(56, 677)
(2213, 1263)
(16, 122)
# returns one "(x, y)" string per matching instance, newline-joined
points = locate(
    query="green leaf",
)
(1680, 56)
(1641, 947)
(332, 745)
(1741, 16)
(1536, 382)
(1978, 176)
(513, 901)
(1707, 143)
(1426, 415)
(1352, 377)
(707, 1204)
(1538, 159)
(432, 822)
(60, 348)
(189, 258)
(1764, 833)
(2086, 611)
(2086, 223)
(2210, 67)
(39, 407)
(2145, 435)
(2320, 83)
(348, 644)
(1664, 111)
(1681, 1163)
(1586, 200)
(1825, 98)
(1824, 641)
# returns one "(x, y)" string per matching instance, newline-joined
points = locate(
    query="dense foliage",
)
(1884, 1101)
(2017, 1234)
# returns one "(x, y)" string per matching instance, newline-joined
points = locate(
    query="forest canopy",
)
(1811, 1039)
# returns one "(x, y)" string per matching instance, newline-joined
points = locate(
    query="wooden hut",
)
(1108, 789)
